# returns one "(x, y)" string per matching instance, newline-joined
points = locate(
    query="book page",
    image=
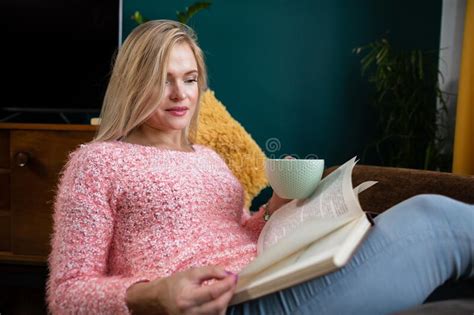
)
(309, 237)
(320, 257)
(333, 198)
(302, 222)
(306, 233)
(325, 247)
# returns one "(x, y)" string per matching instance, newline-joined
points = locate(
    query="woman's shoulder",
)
(97, 154)
(97, 149)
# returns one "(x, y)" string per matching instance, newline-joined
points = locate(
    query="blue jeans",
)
(414, 247)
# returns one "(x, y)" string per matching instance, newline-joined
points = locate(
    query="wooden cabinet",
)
(31, 158)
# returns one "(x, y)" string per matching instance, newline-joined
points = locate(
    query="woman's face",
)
(181, 95)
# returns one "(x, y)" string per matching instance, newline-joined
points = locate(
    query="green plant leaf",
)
(420, 64)
(138, 18)
(188, 12)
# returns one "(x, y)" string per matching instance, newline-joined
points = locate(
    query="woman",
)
(149, 223)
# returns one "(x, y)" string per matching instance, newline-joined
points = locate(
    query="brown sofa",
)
(397, 184)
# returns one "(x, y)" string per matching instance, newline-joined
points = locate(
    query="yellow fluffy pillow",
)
(218, 130)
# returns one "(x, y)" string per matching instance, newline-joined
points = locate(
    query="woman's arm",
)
(83, 229)
(275, 203)
(256, 221)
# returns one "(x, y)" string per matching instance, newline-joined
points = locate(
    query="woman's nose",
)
(178, 92)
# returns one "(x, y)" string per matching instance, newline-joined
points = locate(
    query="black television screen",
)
(56, 56)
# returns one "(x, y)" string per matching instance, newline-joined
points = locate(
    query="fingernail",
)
(236, 276)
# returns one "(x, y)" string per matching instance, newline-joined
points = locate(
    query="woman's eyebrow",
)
(187, 73)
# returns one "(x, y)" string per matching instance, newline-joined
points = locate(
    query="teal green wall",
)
(285, 69)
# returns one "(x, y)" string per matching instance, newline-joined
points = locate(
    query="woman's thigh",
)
(413, 248)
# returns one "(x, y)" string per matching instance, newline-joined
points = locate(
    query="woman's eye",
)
(192, 80)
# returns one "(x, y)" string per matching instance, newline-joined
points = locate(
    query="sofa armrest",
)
(397, 184)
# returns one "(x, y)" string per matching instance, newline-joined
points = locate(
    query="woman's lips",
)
(178, 111)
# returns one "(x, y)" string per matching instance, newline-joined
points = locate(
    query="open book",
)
(308, 237)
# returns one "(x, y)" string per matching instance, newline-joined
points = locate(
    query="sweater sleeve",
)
(82, 232)
(253, 222)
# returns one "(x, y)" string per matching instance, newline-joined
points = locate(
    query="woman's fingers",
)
(217, 305)
(202, 274)
(214, 291)
(192, 293)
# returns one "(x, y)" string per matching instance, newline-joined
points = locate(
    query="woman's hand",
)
(276, 202)
(184, 293)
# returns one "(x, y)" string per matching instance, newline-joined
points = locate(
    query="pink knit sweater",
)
(126, 213)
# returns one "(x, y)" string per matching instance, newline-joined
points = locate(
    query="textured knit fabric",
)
(225, 135)
(126, 213)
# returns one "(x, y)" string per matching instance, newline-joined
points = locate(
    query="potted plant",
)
(406, 101)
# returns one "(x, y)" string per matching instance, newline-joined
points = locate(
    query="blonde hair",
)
(137, 82)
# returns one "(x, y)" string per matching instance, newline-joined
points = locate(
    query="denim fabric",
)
(415, 247)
